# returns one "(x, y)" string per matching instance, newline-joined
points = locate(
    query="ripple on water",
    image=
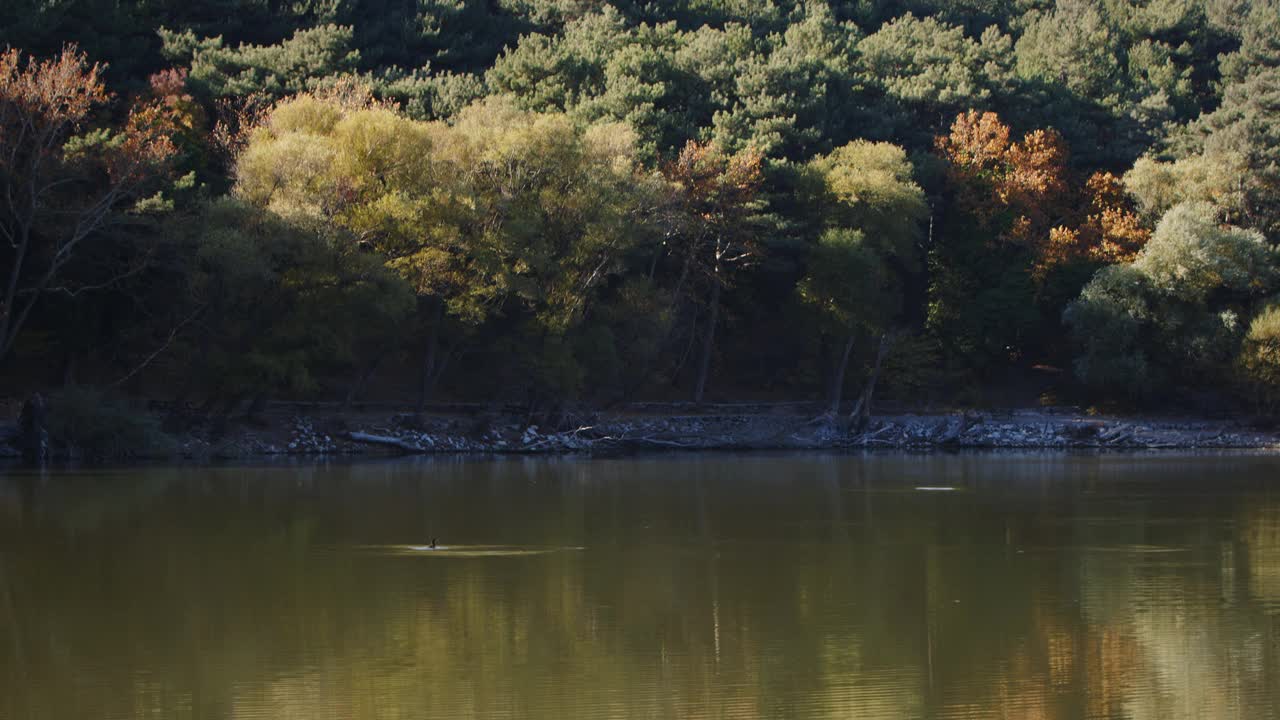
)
(465, 551)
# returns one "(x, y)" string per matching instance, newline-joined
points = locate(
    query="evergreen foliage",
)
(602, 200)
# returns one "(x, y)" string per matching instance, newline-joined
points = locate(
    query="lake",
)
(681, 586)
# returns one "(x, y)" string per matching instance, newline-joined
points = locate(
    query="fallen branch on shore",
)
(669, 443)
(385, 440)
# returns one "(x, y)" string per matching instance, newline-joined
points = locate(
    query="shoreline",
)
(368, 434)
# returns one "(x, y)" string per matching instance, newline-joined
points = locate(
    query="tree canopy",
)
(549, 201)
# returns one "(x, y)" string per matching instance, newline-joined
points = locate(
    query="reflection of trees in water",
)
(1187, 644)
(821, 586)
(1260, 537)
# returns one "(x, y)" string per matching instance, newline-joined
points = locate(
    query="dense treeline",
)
(551, 201)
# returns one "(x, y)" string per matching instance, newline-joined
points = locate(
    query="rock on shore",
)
(338, 434)
(403, 434)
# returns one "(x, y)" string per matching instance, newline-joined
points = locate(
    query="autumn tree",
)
(1103, 229)
(1002, 198)
(1015, 189)
(1025, 234)
(62, 179)
(718, 198)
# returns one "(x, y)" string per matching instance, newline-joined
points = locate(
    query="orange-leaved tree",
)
(1023, 194)
(1024, 231)
(1107, 230)
(1013, 189)
(62, 180)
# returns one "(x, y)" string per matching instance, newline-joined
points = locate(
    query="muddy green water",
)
(689, 586)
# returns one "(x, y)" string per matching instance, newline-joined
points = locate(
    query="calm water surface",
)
(692, 586)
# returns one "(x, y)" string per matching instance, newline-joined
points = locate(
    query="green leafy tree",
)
(503, 212)
(560, 206)
(928, 71)
(1247, 124)
(1075, 46)
(1173, 314)
(874, 211)
(1211, 178)
(300, 63)
(1116, 76)
(647, 86)
(1259, 360)
(795, 97)
(278, 304)
(455, 35)
(850, 286)
(1113, 324)
(1226, 157)
(1192, 256)
(556, 72)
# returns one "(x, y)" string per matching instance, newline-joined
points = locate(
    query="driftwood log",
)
(393, 442)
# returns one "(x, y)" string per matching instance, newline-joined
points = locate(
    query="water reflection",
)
(1042, 586)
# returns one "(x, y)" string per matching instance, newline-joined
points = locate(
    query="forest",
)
(561, 203)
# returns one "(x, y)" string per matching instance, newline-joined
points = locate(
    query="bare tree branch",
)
(164, 346)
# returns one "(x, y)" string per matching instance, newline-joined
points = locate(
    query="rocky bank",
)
(344, 434)
(1032, 429)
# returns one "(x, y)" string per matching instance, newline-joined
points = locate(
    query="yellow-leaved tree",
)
(503, 211)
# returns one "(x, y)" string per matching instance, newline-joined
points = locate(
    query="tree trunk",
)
(426, 382)
(70, 366)
(8, 316)
(684, 275)
(361, 380)
(429, 375)
(653, 263)
(862, 410)
(33, 436)
(708, 344)
(837, 383)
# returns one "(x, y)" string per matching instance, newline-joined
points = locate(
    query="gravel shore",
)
(380, 434)
(1031, 429)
